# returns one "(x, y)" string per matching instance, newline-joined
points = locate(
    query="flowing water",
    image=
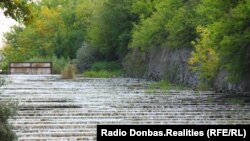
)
(53, 109)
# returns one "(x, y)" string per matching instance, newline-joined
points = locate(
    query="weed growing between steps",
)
(69, 71)
(104, 70)
(164, 86)
(7, 109)
(236, 101)
(102, 74)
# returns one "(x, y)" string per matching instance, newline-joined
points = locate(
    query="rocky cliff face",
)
(221, 83)
(171, 64)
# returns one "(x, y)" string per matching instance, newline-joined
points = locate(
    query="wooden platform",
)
(30, 68)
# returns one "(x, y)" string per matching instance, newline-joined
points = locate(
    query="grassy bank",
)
(164, 85)
(104, 70)
(102, 74)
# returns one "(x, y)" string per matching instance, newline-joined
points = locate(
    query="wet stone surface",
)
(55, 109)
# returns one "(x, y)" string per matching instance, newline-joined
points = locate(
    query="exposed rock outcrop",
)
(171, 64)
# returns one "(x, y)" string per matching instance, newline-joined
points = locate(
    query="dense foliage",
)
(223, 42)
(17, 9)
(57, 29)
(168, 23)
(85, 57)
(112, 30)
(104, 70)
(7, 109)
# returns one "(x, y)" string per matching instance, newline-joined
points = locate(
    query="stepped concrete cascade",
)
(52, 109)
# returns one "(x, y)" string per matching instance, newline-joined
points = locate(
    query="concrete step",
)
(52, 109)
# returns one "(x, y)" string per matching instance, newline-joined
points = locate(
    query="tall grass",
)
(104, 70)
(164, 86)
(69, 71)
(102, 74)
(108, 66)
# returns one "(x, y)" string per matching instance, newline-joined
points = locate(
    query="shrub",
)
(85, 57)
(69, 71)
(58, 64)
(7, 110)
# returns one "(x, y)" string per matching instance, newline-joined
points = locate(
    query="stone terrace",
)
(67, 110)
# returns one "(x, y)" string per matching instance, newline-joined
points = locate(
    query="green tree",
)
(57, 28)
(17, 9)
(110, 28)
(226, 33)
(167, 23)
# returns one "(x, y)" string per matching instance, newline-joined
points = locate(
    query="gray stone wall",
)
(171, 64)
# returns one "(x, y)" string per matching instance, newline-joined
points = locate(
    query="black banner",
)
(173, 132)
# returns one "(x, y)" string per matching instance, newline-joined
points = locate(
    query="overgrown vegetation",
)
(69, 71)
(108, 66)
(164, 85)
(165, 23)
(110, 28)
(104, 70)
(236, 101)
(17, 9)
(57, 28)
(124, 31)
(85, 57)
(7, 109)
(102, 74)
(58, 64)
(224, 39)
